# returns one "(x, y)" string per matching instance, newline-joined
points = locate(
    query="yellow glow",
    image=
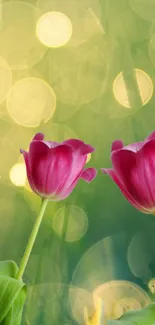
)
(88, 157)
(85, 15)
(54, 29)
(18, 42)
(144, 83)
(97, 317)
(81, 304)
(79, 75)
(120, 296)
(77, 223)
(124, 305)
(5, 79)
(31, 100)
(18, 174)
(151, 285)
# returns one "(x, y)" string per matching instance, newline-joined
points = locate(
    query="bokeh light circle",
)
(120, 296)
(54, 29)
(140, 254)
(57, 301)
(5, 79)
(78, 300)
(151, 285)
(31, 100)
(76, 220)
(145, 86)
(124, 305)
(18, 41)
(79, 75)
(85, 17)
(18, 174)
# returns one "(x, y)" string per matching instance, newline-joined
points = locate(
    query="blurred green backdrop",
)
(84, 69)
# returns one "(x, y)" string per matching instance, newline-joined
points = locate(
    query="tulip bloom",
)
(134, 172)
(54, 169)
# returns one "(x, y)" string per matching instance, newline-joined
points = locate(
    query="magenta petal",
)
(117, 144)
(39, 163)
(52, 144)
(134, 146)
(123, 160)
(38, 150)
(89, 174)
(60, 165)
(38, 136)
(79, 146)
(136, 172)
(28, 169)
(150, 136)
(128, 196)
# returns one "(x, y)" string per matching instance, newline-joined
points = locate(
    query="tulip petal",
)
(38, 149)
(60, 165)
(117, 144)
(79, 159)
(134, 146)
(80, 151)
(136, 172)
(122, 188)
(80, 146)
(28, 169)
(88, 174)
(38, 136)
(52, 144)
(150, 136)
(39, 162)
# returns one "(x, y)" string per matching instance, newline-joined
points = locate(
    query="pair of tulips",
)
(54, 169)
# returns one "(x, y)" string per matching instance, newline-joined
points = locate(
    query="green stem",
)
(31, 240)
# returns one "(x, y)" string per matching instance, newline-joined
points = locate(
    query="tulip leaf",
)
(12, 294)
(145, 316)
(8, 268)
(14, 316)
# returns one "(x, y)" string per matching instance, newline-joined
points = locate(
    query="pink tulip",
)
(134, 172)
(54, 169)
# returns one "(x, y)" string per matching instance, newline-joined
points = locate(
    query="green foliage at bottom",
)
(145, 316)
(12, 294)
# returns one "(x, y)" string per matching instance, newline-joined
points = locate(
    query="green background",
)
(86, 106)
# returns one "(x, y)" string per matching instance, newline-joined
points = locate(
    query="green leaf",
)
(8, 268)
(12, 294)
(9, 291)
(15, 314)
(145, 316)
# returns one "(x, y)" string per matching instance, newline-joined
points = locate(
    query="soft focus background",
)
(84, 69)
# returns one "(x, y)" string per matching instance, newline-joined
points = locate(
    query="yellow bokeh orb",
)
(72, 220)
(18, 42)
(31, 100)
(120, 296)
(18, 174)
(54, 29)
(144, 83)
(151, 285)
